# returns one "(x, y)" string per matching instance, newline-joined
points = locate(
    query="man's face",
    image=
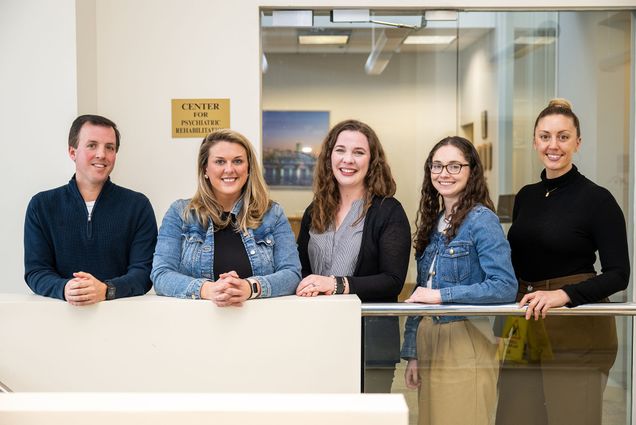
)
(95, 154)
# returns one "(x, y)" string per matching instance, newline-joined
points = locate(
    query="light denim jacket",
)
(473, 268)
(184, 256)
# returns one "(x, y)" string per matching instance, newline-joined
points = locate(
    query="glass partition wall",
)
(417, 76)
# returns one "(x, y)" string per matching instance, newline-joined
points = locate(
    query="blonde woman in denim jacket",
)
(230, 242)
(462, 257)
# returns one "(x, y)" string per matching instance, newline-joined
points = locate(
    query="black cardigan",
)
(384, 251)
(379, 274)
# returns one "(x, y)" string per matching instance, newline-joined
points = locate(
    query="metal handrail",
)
(4, 388)
(408, 309)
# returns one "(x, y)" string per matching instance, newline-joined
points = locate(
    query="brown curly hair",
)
(431, 204)
(378, 181)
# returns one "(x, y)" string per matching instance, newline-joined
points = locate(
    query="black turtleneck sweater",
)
(559, 235)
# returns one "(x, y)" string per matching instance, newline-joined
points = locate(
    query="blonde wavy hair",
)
(204, 205)
(378, 181)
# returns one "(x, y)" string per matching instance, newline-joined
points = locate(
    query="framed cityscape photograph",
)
(291, 144)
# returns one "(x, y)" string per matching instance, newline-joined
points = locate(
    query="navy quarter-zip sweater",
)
(115, 244)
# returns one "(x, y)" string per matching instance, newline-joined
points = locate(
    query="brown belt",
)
(556, 283)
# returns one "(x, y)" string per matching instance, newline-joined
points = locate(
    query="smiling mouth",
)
(99, 165)
(229, 179)
(347, 171)
(553, 157)
(445, 183)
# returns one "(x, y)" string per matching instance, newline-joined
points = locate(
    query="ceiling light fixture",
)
(323, 39)
(430, 39)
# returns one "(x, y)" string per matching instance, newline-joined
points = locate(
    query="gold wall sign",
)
(196, 118)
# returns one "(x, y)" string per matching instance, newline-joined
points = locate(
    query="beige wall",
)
(38, 92)
(149, 52)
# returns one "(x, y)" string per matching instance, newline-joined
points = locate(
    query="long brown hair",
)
(431, 204)
(204, 204)
(378, 181)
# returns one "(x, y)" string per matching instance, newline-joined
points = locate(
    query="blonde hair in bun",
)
(559, 106)
(560, 102)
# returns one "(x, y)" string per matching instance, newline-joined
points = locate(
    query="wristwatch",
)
(110, 291)
(253, 288)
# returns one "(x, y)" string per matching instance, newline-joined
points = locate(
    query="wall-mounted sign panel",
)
(196, 118)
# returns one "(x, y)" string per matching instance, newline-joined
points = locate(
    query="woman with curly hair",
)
(230, 242)
(462, 257)
(354, 239)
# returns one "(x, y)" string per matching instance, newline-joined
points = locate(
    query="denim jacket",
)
(473, 268)
(184, 256)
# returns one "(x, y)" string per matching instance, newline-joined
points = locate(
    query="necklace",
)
(548, 192)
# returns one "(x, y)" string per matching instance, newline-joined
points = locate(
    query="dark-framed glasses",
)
(452, 168)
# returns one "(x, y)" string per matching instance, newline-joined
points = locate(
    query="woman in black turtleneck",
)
(558, 226)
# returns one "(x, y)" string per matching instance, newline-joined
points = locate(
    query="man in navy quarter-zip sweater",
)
(90, 240)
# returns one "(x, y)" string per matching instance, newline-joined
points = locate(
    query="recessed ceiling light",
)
(430, 39)
(535, 40)
(323, 39)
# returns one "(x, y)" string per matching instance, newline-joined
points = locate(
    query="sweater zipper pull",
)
(89, 225)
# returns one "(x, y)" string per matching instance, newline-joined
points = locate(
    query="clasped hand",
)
(84, 289)
(228, 290)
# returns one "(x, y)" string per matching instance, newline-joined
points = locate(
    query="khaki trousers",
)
(458, 373)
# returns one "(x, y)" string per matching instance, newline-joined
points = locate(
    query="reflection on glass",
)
(487, 82)
(532, 360)
(457, 371)
(556, 370)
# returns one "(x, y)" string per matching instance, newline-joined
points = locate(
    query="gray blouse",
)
(335, 252)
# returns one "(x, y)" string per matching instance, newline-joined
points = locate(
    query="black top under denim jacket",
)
(379, 274)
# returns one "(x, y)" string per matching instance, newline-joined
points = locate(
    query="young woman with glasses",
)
(558, 226)
(462, 257)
